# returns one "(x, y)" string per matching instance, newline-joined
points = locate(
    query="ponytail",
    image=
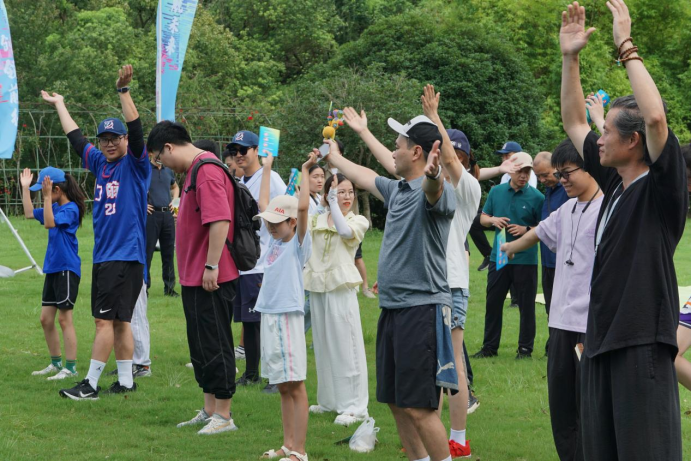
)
(74, 193)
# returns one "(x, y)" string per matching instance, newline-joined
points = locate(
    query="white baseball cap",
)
(279, 209)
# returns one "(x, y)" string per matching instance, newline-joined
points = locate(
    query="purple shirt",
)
(569, 306)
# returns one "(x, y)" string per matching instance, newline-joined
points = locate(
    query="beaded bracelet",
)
(632, 58)
(628, 52)
(628, 39)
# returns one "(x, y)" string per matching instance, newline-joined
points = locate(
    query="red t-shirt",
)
(211, 202)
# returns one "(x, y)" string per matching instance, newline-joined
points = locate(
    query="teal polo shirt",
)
(522, 207)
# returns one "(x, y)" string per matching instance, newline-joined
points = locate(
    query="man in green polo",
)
(516, 207)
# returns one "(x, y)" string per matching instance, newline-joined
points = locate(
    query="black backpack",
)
(245, 247)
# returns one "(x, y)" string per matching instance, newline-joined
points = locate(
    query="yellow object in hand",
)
(329, 132)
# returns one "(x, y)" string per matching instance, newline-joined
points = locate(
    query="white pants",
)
(342, 373)
(140, 330)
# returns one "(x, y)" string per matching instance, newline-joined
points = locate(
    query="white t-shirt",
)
(533, 180)
(315, 205)
(282, 289)
(276, 188)
(467, 195)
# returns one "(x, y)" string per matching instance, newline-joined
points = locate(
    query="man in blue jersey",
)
(122, 169)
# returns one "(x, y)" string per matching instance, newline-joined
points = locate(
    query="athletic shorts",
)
(685, 320)
(115, 287)
(246, 297)
(359, 251)
(406, 357)
(284, 356)
(460, 304)
(60, 289)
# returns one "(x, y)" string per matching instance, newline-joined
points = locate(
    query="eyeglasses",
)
(157, 159)
(345, 193)
(564, 174)
(115, 141)
(242, 150)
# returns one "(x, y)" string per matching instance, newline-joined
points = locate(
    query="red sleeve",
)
(214, 195)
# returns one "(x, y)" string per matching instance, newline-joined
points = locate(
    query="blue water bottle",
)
(606, 101)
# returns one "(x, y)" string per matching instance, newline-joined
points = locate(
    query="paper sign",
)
(293, 182)
(269, 141)
(501, 255)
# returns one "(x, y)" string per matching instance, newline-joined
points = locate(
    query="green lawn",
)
(512, 422)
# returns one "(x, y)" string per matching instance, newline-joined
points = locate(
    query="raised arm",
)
(363, 177)
(68, 125)
(433, 183)
(359, 124)
(573, 38)
(448, 158)
(524, 243)
(265, 185)
(47, 189)
(124, 79)
(508, 166)
(304, 200)
(594, 104)
(643, 87)
(25, 180)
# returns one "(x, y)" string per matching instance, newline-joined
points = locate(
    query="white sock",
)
(95, 370)
(427, 458)
(125, 373)
(448, 458)
(458, 436)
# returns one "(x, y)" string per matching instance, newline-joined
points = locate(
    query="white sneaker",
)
(201, 418)
(46, 371)
(347, 420)
(317, 409)
(369, 294)
(64, 373)
(189, 365)
(217, 425)
(239, 353)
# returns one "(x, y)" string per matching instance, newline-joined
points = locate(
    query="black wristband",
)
(124, 89)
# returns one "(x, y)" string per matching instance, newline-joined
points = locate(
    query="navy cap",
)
(459, 140)
(509, 148)
(111, 125)
(55, 174)
(245, 138)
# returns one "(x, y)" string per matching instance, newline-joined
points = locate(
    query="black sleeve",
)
(135, 135)
(592, 162)
(78, 141)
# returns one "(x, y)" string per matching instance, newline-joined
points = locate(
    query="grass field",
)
(512, 422)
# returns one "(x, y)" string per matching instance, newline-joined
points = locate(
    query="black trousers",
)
(208, 316)
(469, 371)
(563, 393)
(630, 408)
(251, 332)
(525, 280)
(161, 227)
(547, 279)
(477, 233)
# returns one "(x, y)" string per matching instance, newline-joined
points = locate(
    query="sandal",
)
(271, 454)
(303, 457)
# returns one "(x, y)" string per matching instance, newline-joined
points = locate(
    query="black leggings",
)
(252, 349)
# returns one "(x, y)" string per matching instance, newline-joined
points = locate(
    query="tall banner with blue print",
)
(9, 93)
(173, 25)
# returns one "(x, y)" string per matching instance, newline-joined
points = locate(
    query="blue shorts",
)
(460, 301)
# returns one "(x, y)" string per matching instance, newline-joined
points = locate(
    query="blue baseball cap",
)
(55, 174)
(245, 138)
(111, 125)
(459, 140)
(510, 147)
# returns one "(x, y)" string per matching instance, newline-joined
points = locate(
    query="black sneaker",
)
(116, 388)
(484, 353)
(172, 294)
(270, 389)
(245, 381)
(112, 373)
(513, 305)
(473, 403)
(82, 391)
(141, 371)
(484, 265)
(523, 353)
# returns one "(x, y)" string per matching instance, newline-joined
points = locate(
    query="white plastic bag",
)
(364, 439)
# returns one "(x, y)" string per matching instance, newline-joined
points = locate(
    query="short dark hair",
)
(314, 167)
(630, 118)
(686, 155)
(167, 132)
(208, 145)
(342, 148)
(566, 153)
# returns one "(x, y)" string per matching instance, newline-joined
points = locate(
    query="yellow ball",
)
(329, 132)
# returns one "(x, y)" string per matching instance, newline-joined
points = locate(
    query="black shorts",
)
(406, 359)
(246, 297)
(115, 287)
(359, 251)
(60, 289)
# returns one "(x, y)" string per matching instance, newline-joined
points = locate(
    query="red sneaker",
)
(458, 450)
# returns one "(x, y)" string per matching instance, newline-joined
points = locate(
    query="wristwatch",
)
(528, 228)
(211, 267)
(124, 89)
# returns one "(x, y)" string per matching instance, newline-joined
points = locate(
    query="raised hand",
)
(622, 23)
(433, 165)
(594, 104)
(358, 123)
(573, 36)
(312, 159)
(25, 178)
(509, 167)
(267, 162)
(47, 187)
(53, 99)
(430, 101)
(124, 76)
